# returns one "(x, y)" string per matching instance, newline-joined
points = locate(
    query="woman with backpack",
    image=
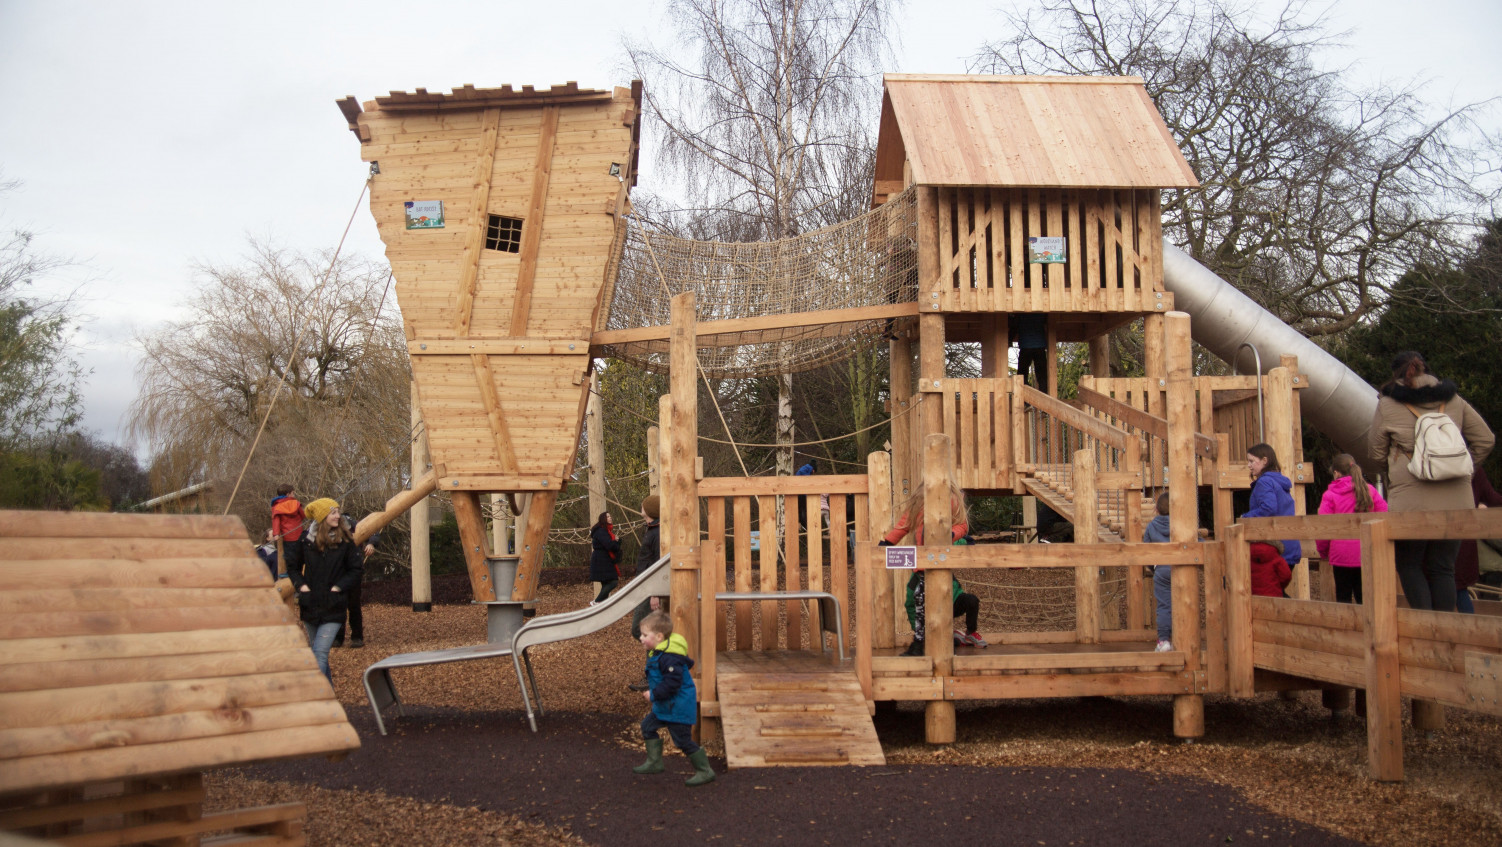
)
(1428, 481)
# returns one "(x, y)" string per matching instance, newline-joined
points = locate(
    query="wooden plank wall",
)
(977, 416)
(133, 645)
(1114, 262)
(499, 340)
(812, 557)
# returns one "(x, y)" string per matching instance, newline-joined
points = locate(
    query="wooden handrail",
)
(1452, 524)
(1000, 556)
(1083, 421)
(1204, 445)
(750, 486)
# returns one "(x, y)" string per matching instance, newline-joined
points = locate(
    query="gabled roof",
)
(135, 645)
(1026, 131)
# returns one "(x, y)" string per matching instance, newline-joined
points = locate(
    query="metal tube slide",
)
(1338, 402)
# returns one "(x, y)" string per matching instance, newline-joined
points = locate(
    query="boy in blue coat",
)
(675, 701)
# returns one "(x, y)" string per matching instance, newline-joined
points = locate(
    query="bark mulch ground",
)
(462, 767)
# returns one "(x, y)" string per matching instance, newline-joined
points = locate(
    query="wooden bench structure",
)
(136, 651)
(993, 163)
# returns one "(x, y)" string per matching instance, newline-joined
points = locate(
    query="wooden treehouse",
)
(137, 652)
(998, 202)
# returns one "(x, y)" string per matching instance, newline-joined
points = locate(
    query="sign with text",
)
(902, 558)
(424, 214)
(1043, 250)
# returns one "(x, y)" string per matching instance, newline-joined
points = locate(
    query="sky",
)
(152, 137)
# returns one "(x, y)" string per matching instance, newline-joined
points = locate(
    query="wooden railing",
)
(1392, 652)
(1050, 435)
(794, 560)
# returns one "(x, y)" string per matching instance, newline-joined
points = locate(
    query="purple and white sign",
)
(902, 558)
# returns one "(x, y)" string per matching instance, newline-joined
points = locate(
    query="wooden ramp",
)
(789, 709)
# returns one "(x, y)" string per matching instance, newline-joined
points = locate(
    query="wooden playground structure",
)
(506, 304)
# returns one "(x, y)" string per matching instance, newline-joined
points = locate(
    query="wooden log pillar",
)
(422, 561)
(1279, 424)
(1139, 589)
(1384, 701)
(1100, 356)
(682, 502)
(938, 617)
(1153, 363)
(1086, 531)
(880, 608)
(1183, 509)
(471, 521)
(500, 525)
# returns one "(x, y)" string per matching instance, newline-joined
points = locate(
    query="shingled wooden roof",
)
(134, 645)
(1026, 131)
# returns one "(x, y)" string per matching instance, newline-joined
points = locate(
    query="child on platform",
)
(675, 703)
(911, 522)
(1157, 533)
(1270, 571)
(1348, 493)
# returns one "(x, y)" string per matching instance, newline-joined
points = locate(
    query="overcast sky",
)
(152, 135)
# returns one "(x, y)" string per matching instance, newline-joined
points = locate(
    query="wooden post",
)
(881, 621)
(1086, 531)
(938, 618)
(903, 459)
(500, 538)
(654, 462)
(1278, 396)
(1139, 590)
(1153, 364)
(472, 538)
(1238, 567)
(533, 540)
(1428, 715)
(1183, 508)
(422, 562)
(1100, 355)
(682, 488)
(1384, 700)
(595, 435)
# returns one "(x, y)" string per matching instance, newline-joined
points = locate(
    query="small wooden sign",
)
(902, 558)
(424, 214)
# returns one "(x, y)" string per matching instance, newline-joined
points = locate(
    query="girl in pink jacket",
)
(1349, 493)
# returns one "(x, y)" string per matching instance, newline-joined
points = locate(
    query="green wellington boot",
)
(702, 771)
(653, 764)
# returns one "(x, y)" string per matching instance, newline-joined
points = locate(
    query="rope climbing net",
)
(871, 260)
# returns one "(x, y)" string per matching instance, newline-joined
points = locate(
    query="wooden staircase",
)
(1052, 484)
(793, 708)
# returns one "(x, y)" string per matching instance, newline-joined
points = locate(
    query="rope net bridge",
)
(871, 260)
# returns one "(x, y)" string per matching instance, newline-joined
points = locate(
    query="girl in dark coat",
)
(604, 558)
(324, 566)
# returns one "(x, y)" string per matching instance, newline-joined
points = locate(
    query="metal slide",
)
(1338, 402)
(655, 581)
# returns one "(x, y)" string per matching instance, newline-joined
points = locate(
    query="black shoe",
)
(357, 642)
(339, 643)
(642, 685)
(914, 649)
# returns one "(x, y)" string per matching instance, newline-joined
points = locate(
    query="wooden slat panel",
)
(30, 568)
(61, 624)
(91, 525)
(37, 676)
(159, 729)
(742, 516)
(767, 526)
(144, 699)
(104, 647)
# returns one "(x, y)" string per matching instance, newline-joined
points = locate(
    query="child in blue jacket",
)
(1156, 532)
(674, 699)
(1270, 494)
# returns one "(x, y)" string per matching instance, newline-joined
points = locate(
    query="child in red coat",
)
(1270, 571)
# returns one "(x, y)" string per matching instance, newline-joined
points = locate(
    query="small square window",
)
(504, 234)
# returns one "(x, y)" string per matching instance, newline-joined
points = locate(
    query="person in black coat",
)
(604, 558)
(324, 566)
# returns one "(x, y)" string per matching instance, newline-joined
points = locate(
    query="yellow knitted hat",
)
(319, 509)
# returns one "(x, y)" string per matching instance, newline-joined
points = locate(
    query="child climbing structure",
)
(997, 201)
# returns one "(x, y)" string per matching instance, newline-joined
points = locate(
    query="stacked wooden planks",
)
(134, 645)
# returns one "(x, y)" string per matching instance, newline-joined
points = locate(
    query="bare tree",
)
(774, 101)
(340, 427)
(1316, 194)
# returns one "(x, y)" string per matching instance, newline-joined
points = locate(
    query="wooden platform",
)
(786, 708)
